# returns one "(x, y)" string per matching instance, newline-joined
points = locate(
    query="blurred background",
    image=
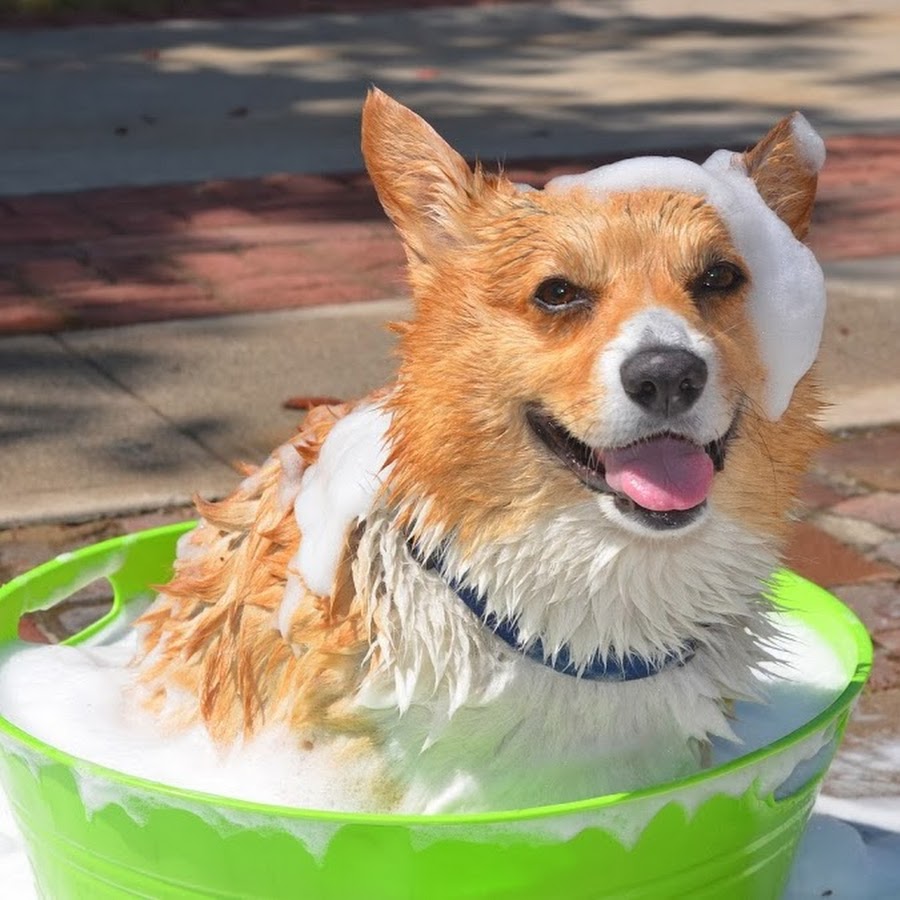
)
(190, 251)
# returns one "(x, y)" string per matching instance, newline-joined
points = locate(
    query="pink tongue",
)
(661, 474)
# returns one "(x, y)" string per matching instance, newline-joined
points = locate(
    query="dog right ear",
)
(785, 165)
(423, 184)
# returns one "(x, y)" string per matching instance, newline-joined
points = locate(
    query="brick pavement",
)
(123, 255)
(848, 539)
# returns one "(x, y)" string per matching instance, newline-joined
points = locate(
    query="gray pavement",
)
(113, 421)
(859, 364)
(109, 422)
(185, 101)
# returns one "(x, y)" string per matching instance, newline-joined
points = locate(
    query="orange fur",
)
(212, 634)
(783, 177)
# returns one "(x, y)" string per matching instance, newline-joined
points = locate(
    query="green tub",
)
(717, 834)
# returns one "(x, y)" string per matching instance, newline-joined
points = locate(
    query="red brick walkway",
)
(124, 255)
(849, 539)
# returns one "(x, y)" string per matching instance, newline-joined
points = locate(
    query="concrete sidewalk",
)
(116, 421)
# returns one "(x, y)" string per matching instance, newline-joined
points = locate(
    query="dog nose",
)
(664, 380)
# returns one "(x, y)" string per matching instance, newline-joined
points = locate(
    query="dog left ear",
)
(423, 184)
(785, 166)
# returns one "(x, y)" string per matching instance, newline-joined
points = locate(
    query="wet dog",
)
(532, 568)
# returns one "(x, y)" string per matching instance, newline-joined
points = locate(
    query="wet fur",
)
(209, 642)
(465, 466)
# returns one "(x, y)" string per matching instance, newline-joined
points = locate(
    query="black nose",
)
(664, 380)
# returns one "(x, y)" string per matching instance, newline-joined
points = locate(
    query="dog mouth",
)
(662, 481)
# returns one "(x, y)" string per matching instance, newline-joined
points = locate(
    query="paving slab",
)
(141, 417)
(859, 365)
(867, 460)
(224, 380)
(866, 764)
(188, 100)
(76, 445)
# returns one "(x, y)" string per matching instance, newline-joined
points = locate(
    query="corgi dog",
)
(533, 568)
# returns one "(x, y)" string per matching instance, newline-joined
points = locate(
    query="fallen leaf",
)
(306, 403)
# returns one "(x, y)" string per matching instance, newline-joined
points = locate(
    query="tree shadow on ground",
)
(49, 392)
(284, 94)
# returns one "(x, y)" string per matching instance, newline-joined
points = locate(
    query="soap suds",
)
(837, 860)
(808, 141)
(337, 491)
(77, 698)
(15, 871)
(290, 603)
(802, 679)
(291, 475)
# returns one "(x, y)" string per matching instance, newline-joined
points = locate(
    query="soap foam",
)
(787, 291)
(808, 142)
(78, 698)
(15, 871)
(337, 491)
(837, 860)
(802, 678)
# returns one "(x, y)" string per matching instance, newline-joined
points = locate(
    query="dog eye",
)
(721, 276)
(557, 293)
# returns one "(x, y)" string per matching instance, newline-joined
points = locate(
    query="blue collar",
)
(630, 667)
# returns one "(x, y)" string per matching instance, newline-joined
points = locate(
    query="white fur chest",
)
(471, 724)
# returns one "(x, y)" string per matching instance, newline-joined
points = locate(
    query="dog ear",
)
(422, 182)
(785, 166)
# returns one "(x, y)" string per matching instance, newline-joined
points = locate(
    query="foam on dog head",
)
(787, 291)
(808, 142)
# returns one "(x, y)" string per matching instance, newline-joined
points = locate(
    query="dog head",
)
(639, 337)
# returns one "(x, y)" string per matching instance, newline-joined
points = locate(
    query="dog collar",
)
(630, 667)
